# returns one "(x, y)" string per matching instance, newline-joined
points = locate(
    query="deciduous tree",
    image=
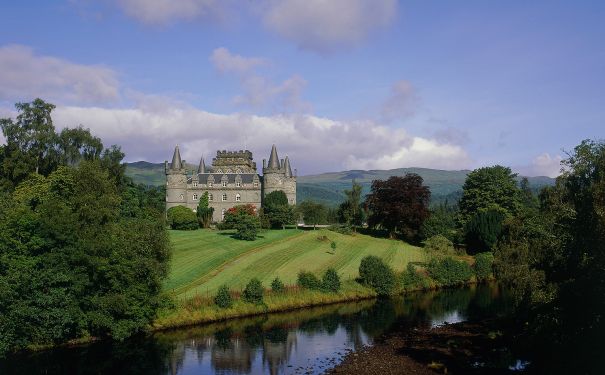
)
(399, 204)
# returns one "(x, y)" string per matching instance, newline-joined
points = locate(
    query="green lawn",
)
(205, 259)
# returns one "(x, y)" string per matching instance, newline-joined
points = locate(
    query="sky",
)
(335, 84)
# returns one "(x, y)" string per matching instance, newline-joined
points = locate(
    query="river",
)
(302, 341)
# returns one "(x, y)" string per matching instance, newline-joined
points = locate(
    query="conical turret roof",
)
(176, 159)
(287, 167)
(273, 159)
(202, 166)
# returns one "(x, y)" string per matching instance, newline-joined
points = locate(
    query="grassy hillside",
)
(328, 188)
(205, 259)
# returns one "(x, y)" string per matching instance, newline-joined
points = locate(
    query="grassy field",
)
(205, 259)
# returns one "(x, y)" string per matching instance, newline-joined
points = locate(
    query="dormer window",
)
(194, 183)
(210, 184)
(255, 184)
(224, 183)
(238, 198)
(238, 184)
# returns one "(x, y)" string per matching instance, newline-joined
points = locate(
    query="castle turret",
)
(202, 167)
(176, 180)
(277, 175)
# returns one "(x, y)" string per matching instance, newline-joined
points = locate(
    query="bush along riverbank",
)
(376, 279)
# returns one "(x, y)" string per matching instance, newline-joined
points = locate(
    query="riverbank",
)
(473, 347)
(202, 309)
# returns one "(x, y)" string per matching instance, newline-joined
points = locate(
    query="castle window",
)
(238, 184)
(224, 183)
(238, 198)
(210, 184)
(194, 197)
(194, 184)
(255, 184)
(224, 197)
(210, 197)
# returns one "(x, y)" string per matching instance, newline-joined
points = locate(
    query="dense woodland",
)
(83, 250)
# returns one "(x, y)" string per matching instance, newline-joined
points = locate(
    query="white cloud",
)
(543, 165)
(226, 62)
(401, 102)
(327, 25)
(25, 76)
(258, 90)
(313, 143)
(161, 12)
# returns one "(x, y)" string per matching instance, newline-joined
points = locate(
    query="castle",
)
(231, 180)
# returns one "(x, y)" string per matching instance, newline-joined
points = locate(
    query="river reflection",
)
(303, 341)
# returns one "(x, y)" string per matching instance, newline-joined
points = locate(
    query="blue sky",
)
(339, 84)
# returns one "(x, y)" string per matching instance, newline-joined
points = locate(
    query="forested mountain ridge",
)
(328, 187)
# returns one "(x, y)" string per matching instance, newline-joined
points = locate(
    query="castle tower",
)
(277, 175)
(176, 180)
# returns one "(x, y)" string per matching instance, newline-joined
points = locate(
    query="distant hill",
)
(328, 188)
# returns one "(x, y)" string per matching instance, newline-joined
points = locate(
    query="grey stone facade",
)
(231, 180)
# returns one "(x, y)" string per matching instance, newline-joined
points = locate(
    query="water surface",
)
(303, 341)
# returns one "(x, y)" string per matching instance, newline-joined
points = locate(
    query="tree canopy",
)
(399, 204)
(489, 188)
(83, 251)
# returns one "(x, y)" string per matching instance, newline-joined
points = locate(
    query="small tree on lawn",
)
(204, 212)
(253, 292)
(244, 220)
(330, 281)
(223, 297)
(277, 285)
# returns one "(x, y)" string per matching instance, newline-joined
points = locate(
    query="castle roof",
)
(245, 178)
(273, 159)
(176, 159)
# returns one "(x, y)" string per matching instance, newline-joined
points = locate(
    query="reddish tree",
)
(399, 204)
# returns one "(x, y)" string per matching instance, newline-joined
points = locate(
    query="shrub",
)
(182, 218)
(333, 246)
(484, 263)
(223, 297)
(449, 271)
(308, 280)
(247, 227)
(377, 275)
(411, 279)
(439, 245)
(253, 293)
(330, 281)
(277, 285)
